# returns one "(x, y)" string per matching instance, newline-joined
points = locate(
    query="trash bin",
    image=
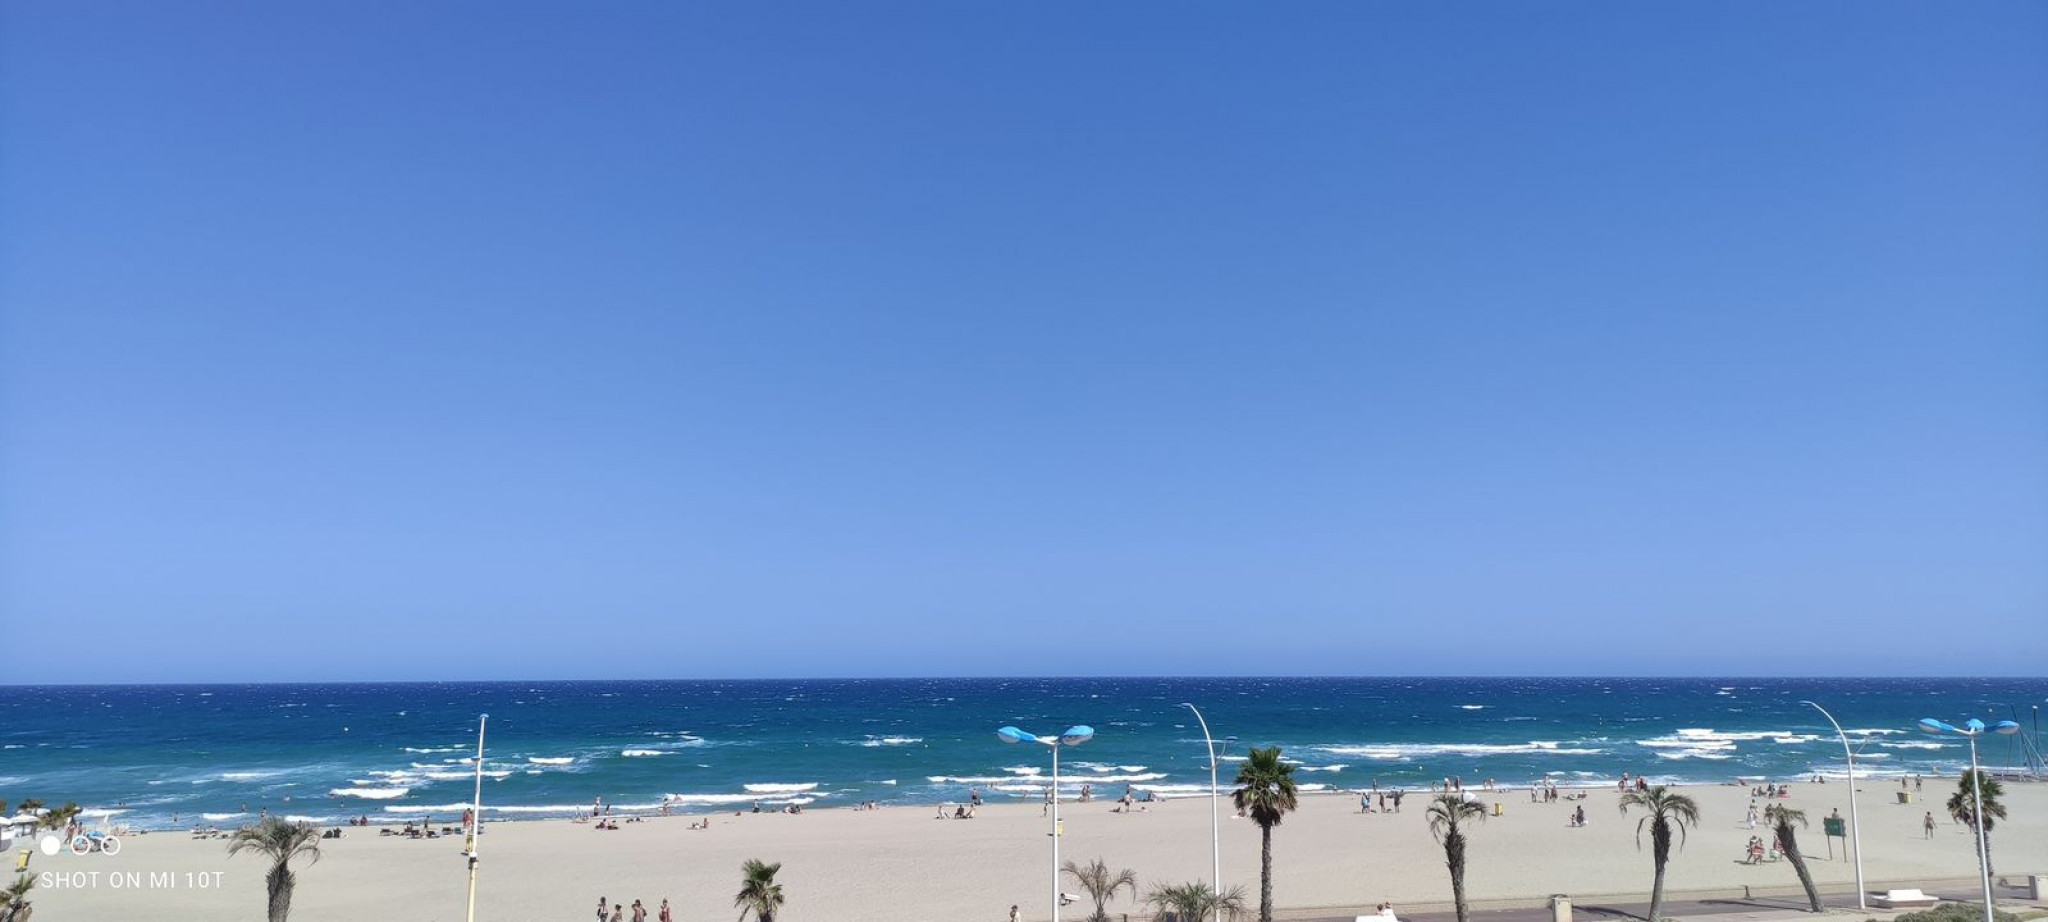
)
(1905, 797)
(1497, 808)
(1560, 908)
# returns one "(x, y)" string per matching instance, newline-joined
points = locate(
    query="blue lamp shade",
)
(2006, 727)
(1974, 725)
(1077, 735)
(1930, 725)
(1014, 735)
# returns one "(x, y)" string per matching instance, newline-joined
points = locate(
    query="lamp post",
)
(1974, 728)
(476, 815)
(1855, 828)
(1074, 736)
(1215, 808)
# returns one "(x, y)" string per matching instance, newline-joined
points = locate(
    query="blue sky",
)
(365, 341)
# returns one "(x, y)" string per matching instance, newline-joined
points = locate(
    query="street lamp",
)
(1074, 736)
(1974, 728)
(476, 816)
(1215, 810)
(1855, 828)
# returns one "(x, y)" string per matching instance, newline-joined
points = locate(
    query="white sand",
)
(900, 863)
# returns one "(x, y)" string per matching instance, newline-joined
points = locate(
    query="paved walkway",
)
(1752, 909)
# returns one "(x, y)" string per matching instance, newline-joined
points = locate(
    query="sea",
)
(166, 756)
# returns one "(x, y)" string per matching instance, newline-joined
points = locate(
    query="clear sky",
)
(460, 340)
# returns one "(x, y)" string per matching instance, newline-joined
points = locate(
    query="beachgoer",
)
(1927, 823)
(1013, 912)
(639, 912)
(664, 915)
(619, 913)
(603, 911)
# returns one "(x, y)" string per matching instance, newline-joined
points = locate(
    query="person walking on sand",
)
(1013, 912)
(664, 915)
(604, 913)
(639, 912)
(1927, 824)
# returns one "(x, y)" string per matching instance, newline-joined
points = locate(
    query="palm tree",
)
(14, 904)
(1101, 884)
(1447, 815)
(30, 805)
(759, 893)
(60, 817)
(1781, 819)
(281, 842)
(1192, 902)
(1665, 809)
(1963, 807)
(1265, 789)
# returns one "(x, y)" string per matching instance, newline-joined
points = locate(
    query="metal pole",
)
(1983, 850)
(1855, 827)
(1055, 830)
(476, 815)
(1215, 816)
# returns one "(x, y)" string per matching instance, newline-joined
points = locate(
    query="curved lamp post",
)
(1855, 827)
(1215, 809)
(476, 816)
(1074, 736)
(1974, 728)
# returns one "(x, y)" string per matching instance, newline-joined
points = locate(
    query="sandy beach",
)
(902, 863)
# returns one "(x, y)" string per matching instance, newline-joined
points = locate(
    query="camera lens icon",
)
(51, 845)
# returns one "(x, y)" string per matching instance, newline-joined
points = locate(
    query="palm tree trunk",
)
(1454, 858)
(1657, 894)
(1265, 874)
(1660, 851)
(1799, 866)
(279, 882)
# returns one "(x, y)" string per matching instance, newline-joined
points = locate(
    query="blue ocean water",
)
(165, 755)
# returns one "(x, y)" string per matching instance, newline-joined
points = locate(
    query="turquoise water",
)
(218, 753)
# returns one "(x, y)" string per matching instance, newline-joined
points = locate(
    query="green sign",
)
(1834, 826)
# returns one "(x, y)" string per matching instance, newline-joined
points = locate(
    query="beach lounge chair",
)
(1904, 899)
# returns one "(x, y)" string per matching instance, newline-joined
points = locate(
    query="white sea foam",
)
(220, 817)
(1036, 784)
(732, 799)
(878, 742)
(557, 760)
(1917, 745)
(641, 753)
(1471, 707)
(371, 793)
(251, 775)
(1704, 752)
(781, 788)
(1398, 751)
(434, 749)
